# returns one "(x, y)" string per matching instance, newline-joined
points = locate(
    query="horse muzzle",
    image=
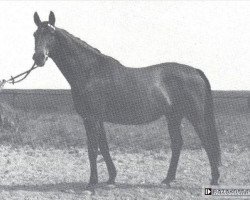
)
(40, 59)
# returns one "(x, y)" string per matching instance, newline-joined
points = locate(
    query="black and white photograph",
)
(124, 100)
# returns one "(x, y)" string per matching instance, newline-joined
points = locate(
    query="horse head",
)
(44, 38)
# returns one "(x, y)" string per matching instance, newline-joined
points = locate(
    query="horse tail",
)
(210, 121)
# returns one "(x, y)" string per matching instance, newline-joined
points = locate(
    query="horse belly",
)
(133, 110)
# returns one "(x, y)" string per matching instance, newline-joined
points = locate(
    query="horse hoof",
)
(212, 182)
(110, 182)
(91, 187)
(166, 182)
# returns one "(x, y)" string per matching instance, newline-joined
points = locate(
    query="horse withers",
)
(104, 90)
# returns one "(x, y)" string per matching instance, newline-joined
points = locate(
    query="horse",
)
(104, 90)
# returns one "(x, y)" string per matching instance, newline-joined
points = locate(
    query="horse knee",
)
(176, 145)
(176, 138)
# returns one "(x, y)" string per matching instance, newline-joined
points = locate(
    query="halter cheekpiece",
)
(51, 26)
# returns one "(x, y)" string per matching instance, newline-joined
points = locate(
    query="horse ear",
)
(37, 19)
(52, 18)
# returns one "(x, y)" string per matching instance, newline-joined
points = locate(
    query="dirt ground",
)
(42, 174)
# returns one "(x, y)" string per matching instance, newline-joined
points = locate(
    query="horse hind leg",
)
(209, 143)
(174, 128)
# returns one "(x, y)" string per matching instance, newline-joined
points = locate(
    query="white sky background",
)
(212, 36)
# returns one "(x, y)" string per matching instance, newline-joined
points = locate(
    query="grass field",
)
(62, 174)
(44, 156)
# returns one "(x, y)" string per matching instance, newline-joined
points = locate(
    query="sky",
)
(213, 36)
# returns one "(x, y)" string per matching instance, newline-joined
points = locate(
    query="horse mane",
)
(85, 45)
(80, 42)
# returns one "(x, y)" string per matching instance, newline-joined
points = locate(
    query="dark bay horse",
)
(104, 90)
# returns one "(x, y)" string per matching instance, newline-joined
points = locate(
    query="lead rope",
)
(12, 79)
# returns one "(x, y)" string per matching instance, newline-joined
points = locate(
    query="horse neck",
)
(73, 59)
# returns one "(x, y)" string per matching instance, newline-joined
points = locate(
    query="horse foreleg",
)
(103, 144)
(92, 137)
